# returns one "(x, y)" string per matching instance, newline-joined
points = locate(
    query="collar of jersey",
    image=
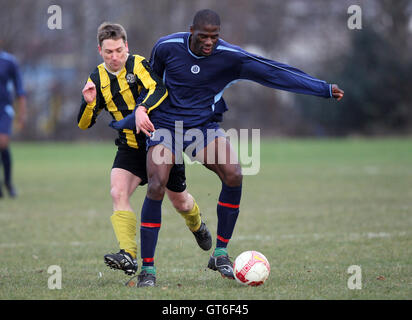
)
(190, 51)
(116, 74)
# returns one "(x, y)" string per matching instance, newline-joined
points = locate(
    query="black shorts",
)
(134, 161)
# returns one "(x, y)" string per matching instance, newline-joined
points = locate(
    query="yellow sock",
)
(192, 217)
(124, 226)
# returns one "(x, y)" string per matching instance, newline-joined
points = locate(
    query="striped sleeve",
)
(156, 90)
(89, 111)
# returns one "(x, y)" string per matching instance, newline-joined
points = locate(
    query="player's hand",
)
(143, 122)
(89, 92)
(337, 93)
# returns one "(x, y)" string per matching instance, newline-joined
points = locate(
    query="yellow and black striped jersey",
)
(118, 95)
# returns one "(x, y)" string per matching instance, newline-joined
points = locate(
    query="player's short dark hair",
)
(108, 30)
(204, 17)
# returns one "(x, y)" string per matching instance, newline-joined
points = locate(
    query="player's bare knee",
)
(233, 177)
(156, 189)
(182, 204)
(4, 141)
(118, 194)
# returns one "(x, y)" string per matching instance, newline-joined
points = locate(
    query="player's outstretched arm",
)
(138, 120)
(127, 122)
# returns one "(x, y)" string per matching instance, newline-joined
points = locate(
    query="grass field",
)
(316, 208)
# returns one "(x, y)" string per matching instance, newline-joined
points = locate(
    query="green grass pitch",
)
(315, 208)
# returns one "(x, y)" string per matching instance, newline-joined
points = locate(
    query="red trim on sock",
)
(223, 239)
(228, 205)
(148, 259)
(150, 225)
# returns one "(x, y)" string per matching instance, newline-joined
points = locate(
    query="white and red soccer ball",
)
(251, 268)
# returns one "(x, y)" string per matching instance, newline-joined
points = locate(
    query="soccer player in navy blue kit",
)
(115, 86)
(197, 67)
(10, 77)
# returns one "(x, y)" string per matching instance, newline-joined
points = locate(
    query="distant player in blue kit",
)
(196, 68)
(10, 78)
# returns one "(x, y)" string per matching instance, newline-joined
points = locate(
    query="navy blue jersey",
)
(196, 83)
(9, 77)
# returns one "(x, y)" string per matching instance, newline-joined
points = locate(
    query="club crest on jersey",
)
(130, 78)
(195, 69)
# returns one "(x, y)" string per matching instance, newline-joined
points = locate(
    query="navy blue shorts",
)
(179, 139)
(6, 119)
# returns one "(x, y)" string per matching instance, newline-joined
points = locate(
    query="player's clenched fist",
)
(337, 92)
(89, 92)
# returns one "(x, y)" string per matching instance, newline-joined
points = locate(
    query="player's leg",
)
(158, 175)
(124, 222)
(123, 184)
(128, 172)
(187, 207)
(6, 121)
(225, 164)
(4, 142)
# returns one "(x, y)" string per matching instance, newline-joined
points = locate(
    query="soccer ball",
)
(251, 268)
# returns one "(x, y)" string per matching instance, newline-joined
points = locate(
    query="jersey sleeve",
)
(281, 76)
(153, 85)
(157, 62)
(17, 80)
(89, 111)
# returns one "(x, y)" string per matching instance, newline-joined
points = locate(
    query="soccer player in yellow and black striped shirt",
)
(115, 86)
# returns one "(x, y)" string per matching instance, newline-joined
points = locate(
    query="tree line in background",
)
(373, 65)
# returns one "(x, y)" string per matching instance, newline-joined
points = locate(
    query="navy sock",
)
(151, 217)
(227, 213)
(6, 159)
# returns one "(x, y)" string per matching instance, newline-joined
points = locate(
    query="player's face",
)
(114, 53)
(204, 39)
